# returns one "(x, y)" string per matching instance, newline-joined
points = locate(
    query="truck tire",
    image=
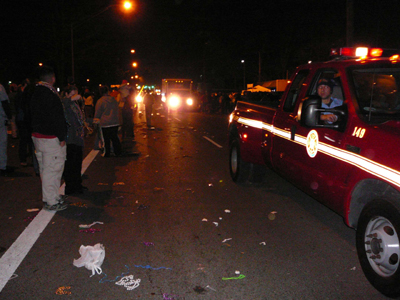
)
(239, 169)
(377, 241)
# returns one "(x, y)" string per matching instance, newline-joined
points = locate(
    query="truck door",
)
(316, 171)
(287, 156)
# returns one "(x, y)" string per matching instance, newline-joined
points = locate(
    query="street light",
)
(127, 6)
(134, 64)
(244, 74)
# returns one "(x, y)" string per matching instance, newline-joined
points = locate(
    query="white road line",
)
(211, 141)
(177, 119)
(10, 260)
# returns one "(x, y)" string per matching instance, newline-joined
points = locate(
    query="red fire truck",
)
(350, 164)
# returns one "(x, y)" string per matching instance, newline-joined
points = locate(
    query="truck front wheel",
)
(239, 169)
(377, 240)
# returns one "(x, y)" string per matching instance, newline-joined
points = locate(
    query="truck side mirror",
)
(308, 113)
(310, 110)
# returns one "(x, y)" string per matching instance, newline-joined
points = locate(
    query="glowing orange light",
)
(394, 57)
(245, 136)
(376, 52)
(127, 5)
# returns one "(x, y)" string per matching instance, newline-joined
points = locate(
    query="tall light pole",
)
(127, 6)
(244, 74)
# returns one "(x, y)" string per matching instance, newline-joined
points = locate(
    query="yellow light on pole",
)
(133, 51)
(127, 5)
(134, 64)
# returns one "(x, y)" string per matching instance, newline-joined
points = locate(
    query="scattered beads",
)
(63, 290)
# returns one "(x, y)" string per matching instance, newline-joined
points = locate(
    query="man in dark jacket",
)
(49, 130)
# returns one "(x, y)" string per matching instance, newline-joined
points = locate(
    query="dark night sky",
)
(200, 39)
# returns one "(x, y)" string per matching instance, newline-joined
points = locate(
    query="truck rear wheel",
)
(377, 240)
(239, 169)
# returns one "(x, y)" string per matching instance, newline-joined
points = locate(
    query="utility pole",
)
(349, 22)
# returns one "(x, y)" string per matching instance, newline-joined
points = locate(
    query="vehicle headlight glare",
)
(139, 99)
(174, 101)
(189, 101)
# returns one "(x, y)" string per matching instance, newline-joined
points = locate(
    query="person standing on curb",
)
(75, 143)
(106, 116)
(49, 131)
(148, 103)
(127, 111)
(5, 115)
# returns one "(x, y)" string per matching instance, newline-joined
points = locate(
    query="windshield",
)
(377, 91)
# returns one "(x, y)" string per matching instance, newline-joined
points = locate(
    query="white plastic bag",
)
(92, 258)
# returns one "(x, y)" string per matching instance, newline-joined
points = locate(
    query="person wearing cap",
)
(325, 90)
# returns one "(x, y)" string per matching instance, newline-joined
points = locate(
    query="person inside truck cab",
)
(325, 90)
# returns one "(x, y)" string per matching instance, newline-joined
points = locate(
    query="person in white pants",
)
(49, 133)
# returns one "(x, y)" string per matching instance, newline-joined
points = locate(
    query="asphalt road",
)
(173, 218)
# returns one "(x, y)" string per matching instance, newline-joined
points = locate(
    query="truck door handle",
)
(293, 132)
(354, 149)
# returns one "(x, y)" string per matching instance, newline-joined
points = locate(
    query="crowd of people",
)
(51, 126)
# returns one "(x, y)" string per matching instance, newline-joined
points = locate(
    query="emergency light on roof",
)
(357, 52)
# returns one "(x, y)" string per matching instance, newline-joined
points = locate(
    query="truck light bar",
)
(357, 52)
(362, 52)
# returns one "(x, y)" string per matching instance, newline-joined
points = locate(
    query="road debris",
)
(148, 243)
(79, 204)
(241, 276)
(128, 282)
(150, 267)
(32, 209)
(90, 225)
(141, 207)
(271, 215)
(90, 230)
(92, 258)
(209, 287)
(198, 289)
(63, 290)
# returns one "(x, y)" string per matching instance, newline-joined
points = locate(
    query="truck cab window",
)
(294, 90)
(334, 78)
(327, 85)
